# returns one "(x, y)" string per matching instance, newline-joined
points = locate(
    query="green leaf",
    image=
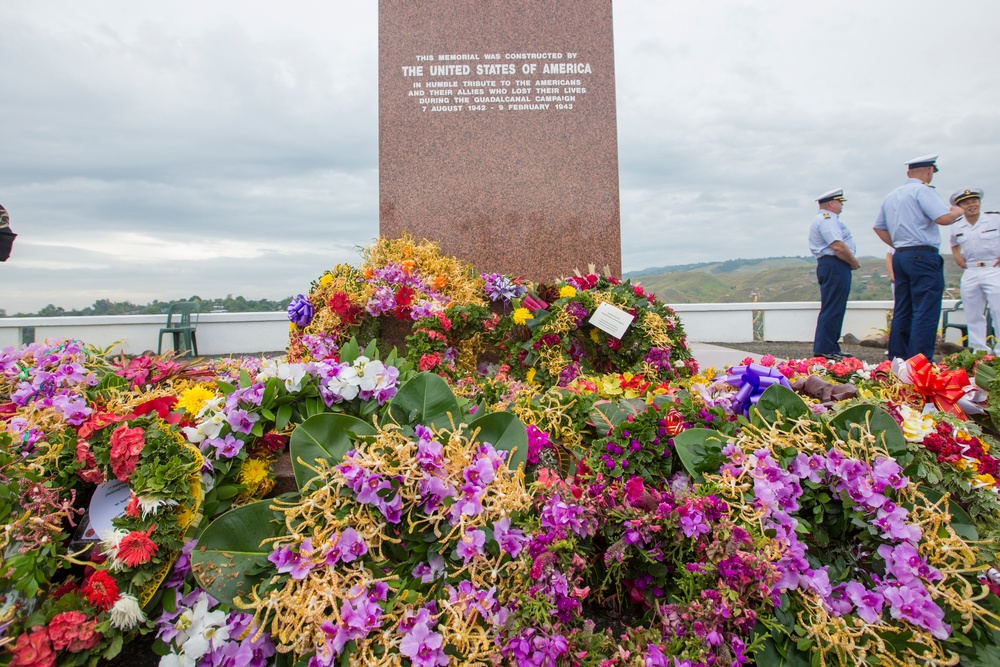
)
(961, 522)
(283, 417)
(608, 415)
(424, 399)
(230, 548)
(325, 436)
(700, 450)
(349, 352)
(850, 424)
(778, 400)
(504, 431)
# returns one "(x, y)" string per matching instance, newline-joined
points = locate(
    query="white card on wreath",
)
(109, 502)
(612, 321)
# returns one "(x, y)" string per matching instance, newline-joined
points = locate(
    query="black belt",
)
(917, 247)
(832, 257)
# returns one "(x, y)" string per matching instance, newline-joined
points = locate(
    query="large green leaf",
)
(607, 414)
(961, 522)
(776, 400)
(504, 431)
(326, 436)
(850, 424)
(425, 399)
(700, 451)
(228, 559)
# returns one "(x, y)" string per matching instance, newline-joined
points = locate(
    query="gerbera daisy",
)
(101, 590)
(135, 549)
(254, 476)
(193, 399)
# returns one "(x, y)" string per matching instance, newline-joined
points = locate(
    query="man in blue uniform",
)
(830, 241)
(908, 221)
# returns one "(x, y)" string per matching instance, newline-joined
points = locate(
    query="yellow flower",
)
(916, 425)
(567, 291)
(193, 399)
(530, 375)
(985, 480)
(594, 337)
(325, 280)
(255, 476)
(521, 316)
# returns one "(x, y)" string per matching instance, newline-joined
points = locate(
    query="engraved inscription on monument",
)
(533, 81)
(497, 132)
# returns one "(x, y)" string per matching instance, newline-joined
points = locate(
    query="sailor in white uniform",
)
(975, 244)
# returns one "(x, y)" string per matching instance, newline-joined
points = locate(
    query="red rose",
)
(71, 631)
(33, 650)
(126, 445)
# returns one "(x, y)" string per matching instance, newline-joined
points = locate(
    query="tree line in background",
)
(229, 304)
(730, 281)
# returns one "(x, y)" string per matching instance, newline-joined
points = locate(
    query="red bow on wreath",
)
(942, 387)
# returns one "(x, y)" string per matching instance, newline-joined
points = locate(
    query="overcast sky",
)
(161, 150)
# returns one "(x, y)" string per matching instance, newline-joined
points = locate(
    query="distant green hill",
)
(770, 279)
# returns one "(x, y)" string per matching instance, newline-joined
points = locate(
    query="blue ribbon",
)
(750, 382)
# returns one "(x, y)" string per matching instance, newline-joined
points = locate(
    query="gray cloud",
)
(160, 150)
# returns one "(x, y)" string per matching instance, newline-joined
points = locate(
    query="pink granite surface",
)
(529, 192)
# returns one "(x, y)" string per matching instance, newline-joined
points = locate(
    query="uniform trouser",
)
(980, 288)
(919, 285)
(834, 278)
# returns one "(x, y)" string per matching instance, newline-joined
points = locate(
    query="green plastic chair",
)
(182, 327)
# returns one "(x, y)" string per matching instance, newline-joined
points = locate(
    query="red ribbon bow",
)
(942, 387)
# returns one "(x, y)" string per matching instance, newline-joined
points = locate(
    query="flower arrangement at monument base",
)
(399, 279)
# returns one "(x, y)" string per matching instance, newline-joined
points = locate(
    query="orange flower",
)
(136, 548)
(408, 266)
(439, 282)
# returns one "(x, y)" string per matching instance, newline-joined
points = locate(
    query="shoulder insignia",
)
(826, 216)
(992, 212)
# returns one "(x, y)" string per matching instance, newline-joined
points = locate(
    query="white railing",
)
(250, 333)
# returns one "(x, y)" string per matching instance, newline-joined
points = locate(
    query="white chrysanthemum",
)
(152, 505)
(126, 614)
(110, 542)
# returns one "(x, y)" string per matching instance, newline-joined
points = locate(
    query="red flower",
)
(445, 322)
(33, 650)
(7, 410)
(132, 510)
(404, 297)
(126, 445)
(429, 361)
(614, 343)
(162, 406)
(274, 442)
(341, 304)
(84, 455)
(96, 422)
(137, 370)
(634, 489)
(101, 590)
(136, 548)
(71, 631)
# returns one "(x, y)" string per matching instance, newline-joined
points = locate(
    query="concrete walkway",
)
(718, 357)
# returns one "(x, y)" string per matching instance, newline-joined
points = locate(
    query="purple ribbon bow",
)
(751, 381)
